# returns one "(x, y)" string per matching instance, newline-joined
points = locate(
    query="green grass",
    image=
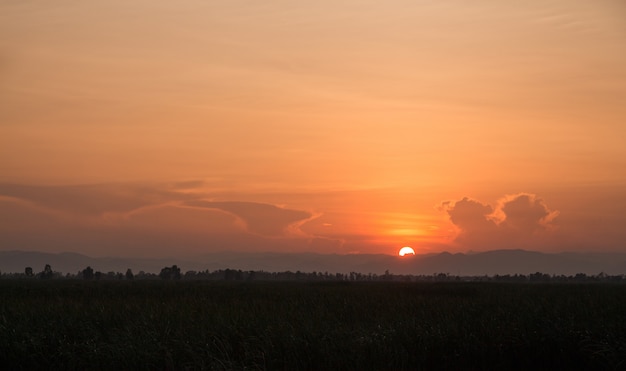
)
(71, 324)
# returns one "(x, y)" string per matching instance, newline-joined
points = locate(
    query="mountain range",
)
(468, 264)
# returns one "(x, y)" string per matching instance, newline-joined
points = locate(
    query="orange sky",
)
(159, 127)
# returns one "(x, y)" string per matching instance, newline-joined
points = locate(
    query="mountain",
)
(473, 264)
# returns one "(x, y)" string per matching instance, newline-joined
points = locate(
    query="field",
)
(74, 324)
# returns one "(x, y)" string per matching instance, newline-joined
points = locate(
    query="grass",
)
(72, 324)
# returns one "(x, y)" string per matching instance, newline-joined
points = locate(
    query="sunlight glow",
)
(406, 232)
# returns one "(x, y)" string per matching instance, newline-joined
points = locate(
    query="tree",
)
(170, 273)
(88, 273)
(129, 274)
(47, 272)
(175, 272)
(28, 271)
(165, 273)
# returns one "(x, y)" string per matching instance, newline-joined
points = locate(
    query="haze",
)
(158, 128)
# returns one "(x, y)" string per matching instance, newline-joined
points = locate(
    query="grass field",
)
(73, 324)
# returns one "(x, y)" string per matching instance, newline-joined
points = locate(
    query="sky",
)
(159, 128)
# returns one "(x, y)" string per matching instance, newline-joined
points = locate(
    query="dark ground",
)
(74, 324)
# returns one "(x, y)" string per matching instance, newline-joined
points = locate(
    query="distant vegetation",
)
(174, 273)
(190, 322)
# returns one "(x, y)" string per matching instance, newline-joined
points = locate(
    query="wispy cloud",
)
(262, 219)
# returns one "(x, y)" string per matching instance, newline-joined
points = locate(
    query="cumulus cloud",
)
(470, 215)
(525, 214)
(518, 221)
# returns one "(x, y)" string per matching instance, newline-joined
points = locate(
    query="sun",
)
(406, 251)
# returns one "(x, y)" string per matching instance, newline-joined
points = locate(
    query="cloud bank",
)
(147, 219)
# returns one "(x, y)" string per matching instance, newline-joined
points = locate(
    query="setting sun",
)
(406, 251)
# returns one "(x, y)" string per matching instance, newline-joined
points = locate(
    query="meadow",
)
(76, 324)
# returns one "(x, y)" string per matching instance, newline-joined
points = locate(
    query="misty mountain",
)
(483, 263)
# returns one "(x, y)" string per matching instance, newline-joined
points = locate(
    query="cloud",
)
(525, 214)
(518, 221)
(93, 199)
(16, 214)
(260, 218)
(137, 204)
(188, 220)
(148, 219)
(157, 206)
(470, 215)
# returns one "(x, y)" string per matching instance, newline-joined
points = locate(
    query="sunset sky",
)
(170, 128)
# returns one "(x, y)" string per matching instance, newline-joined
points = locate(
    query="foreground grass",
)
(296, 325)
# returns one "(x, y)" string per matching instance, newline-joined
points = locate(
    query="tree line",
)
(174, 273)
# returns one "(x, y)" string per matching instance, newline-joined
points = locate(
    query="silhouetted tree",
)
(170, 273)
(165, 273)
(539, 277)
(580, 277)
(88, 273)
(28, 271)
(129, 274)
(47, 272)
(387, 276)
